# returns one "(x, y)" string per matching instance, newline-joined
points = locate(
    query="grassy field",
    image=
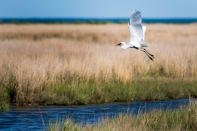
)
(183, 119)
(79, 64)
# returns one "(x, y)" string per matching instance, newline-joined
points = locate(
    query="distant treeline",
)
(92, 21)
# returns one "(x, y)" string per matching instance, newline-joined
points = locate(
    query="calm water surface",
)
(39, 118)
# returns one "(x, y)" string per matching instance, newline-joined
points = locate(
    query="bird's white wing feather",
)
(135, 27)
(144, 31)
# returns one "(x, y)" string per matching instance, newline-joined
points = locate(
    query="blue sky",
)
(97, 8)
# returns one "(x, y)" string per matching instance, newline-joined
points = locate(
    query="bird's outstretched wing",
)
(135, 27)
(144, 31)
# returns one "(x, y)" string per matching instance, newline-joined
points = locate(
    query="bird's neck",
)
(124, 45)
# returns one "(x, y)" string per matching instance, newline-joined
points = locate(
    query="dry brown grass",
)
(37, 54)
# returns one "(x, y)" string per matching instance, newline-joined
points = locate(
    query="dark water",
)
(39, 118)
(94, 20)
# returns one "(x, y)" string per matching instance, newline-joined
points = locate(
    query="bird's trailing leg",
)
(150, 56)
(149, 53)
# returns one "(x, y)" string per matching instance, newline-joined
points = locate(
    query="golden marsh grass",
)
(33, 55)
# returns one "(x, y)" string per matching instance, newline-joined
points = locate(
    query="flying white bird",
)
(137, 35)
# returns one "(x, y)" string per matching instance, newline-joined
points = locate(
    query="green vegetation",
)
(76, 90)
(92, 92)
(4, 99)
(180, 119)
(4, 107)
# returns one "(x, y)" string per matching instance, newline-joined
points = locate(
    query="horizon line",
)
(98, 18)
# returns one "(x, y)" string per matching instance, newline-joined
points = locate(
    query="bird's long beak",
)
(118, 44)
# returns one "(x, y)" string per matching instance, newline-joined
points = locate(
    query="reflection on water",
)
(39, 118)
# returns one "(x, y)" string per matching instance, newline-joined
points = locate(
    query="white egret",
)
(137, 35)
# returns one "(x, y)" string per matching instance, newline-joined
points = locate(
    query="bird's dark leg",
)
(150, 56)
(149, 53)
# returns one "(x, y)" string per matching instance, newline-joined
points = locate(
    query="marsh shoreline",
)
(91, 92)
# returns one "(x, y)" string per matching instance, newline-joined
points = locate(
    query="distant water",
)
(93, 20)
(39, 118)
